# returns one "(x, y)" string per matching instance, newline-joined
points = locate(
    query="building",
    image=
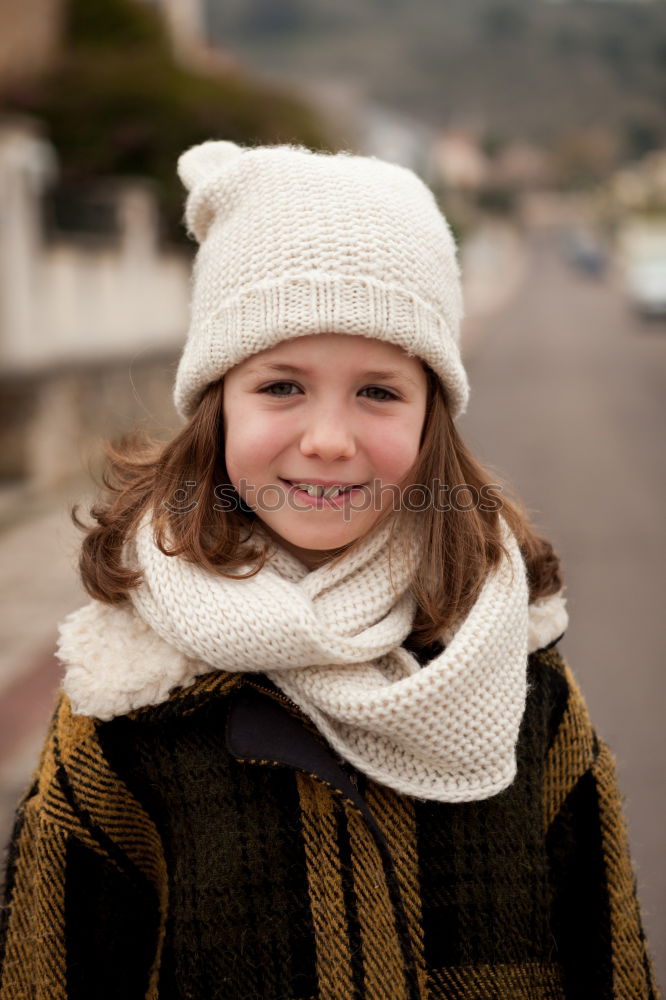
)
(30, 37)
(90, 324)
(186, 24)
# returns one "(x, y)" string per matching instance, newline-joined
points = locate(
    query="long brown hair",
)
(180, 482)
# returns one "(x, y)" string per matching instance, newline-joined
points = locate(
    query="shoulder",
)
(554, 689)
(77, 789)
(114, 664)
(553, 685)
(120, 678)
(556, 704)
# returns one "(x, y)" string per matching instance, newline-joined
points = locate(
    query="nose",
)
(328, 435)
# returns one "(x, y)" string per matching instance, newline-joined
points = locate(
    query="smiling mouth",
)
(328, 492)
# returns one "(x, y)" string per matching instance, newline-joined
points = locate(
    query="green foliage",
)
(125, 117)
(105, 23)
(119, 104)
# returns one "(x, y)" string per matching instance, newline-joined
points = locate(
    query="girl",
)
(315, 737)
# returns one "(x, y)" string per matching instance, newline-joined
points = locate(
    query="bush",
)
(118, 103)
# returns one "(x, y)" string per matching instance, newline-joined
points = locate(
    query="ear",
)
(203, 162)
(202, 169)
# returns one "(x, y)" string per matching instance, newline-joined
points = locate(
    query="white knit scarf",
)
(330, 639)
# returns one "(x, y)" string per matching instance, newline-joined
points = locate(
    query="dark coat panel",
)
(214, 846)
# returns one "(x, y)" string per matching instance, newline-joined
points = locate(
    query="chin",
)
(318, 539)
(320, 542)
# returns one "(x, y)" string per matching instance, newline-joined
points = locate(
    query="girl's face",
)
(323, 410)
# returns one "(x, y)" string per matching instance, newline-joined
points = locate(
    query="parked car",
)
(646, 286)
(643, 253)
(584, 252)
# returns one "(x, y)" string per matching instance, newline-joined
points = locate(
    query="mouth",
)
(318, 491)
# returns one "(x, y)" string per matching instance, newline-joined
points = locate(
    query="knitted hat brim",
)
(318, 303)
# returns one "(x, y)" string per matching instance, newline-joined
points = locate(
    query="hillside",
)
(513, 67)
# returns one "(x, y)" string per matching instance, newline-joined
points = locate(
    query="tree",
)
(117, 103)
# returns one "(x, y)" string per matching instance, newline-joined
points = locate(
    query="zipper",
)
(269, 690)
(298, 712)
(276, 695)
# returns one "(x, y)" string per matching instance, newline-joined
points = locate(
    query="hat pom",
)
(200, 163)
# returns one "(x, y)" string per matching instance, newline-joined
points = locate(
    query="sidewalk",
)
(39, 585)
(494, 261)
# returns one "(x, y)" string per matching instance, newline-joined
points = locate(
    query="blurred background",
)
(540, 127)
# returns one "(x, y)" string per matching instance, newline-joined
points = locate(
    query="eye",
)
(387, 397)
(268, 389)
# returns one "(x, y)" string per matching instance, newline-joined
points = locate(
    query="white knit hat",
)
(296, 242)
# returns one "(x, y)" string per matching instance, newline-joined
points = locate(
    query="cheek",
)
(251, 444)
(394, 451)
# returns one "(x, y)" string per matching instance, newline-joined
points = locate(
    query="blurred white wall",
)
(63, 300)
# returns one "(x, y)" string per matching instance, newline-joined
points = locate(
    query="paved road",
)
(568, 401)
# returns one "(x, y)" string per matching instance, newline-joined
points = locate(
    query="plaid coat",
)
(214, 846)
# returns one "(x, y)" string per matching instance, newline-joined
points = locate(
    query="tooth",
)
(321, 491)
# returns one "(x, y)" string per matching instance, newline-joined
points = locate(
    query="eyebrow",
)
(381, 376)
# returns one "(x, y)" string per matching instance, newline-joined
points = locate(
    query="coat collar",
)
(262, 730)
